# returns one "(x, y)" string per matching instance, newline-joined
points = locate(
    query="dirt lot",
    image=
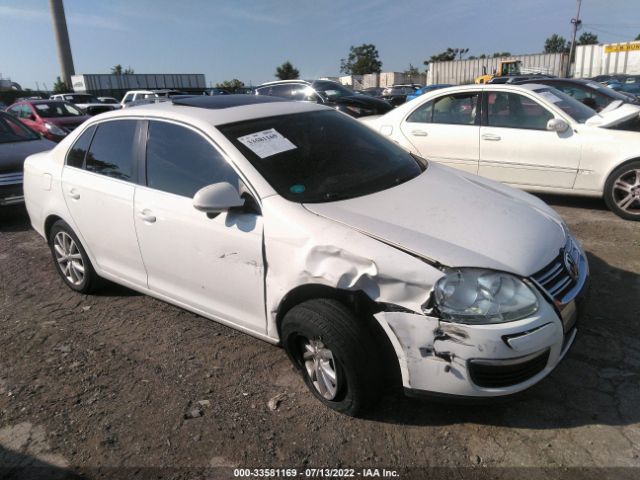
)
(111, 381)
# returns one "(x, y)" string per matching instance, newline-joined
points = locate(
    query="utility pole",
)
(576, 25)
(62, 41)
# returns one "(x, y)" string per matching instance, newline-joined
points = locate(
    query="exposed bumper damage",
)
(437, 356)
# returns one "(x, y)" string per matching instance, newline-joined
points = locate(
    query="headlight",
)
(478, 296)
(54, 129)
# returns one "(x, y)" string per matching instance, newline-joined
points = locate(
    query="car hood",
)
(610, 118)
(12, 155)
(68, 121)
(457, 220)
(362, 101)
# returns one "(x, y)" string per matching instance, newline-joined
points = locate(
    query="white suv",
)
(299, 225)
(137, 95)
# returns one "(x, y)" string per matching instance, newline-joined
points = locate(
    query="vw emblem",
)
(570, 264)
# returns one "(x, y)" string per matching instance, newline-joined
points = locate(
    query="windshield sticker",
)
(266, 143)
(550, 97)
(297, 188)
(42, 106)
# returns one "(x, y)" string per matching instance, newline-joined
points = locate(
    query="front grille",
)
(13, 178)
(497, 374)
(556, 278)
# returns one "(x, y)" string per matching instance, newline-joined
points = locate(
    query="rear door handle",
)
(419, 133)
(147, 216)
(491, 137)
(73, 193)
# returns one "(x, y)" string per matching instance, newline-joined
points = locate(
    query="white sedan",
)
(531, 136)
(297, 224)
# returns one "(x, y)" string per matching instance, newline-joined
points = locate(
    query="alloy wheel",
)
(321, 367)
(69, 258)
(626, 191)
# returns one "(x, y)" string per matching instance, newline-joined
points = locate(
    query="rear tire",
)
(622, 191)
(70, 259)
(336, 354)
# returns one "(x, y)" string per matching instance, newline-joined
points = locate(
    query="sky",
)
(248, 39)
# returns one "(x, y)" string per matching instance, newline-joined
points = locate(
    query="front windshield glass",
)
(569, 105)
(57, 109)
(322, 156)
(81, 98)
(12, 130)
(332, 90)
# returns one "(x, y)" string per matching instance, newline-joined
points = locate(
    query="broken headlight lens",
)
(478, 296)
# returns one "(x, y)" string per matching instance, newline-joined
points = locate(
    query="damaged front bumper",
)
(441, 358)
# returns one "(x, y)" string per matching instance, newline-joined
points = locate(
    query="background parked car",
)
(397, 94)
(592, 94)
(530, 136)
(328, 93)
(372, 91)
(518, 78)
(52, 119)
(87, 103)
(609, 77)
(134, 95)
(428, 88)
(17, 142)
(630, 89)
(216, 91)
(109, 100)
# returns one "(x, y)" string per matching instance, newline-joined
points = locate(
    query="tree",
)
(59, 86)
(361, 60)
(556, 44)
(118, 70)
(231, 85)
(286, 71)
(446, 56)
(411, 73)
(588, 38)
(637, 37)
(501, 54)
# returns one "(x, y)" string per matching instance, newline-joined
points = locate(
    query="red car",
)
(53, 119)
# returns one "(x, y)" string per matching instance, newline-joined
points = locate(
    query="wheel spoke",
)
(626, 202)
(622, 185)
(78, 267)
(328, 371)
(59, 249)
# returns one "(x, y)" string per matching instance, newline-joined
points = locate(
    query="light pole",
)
(576, 25)
(62, 41)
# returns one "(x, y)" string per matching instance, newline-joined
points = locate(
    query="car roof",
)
(217, 110)
(275, 82)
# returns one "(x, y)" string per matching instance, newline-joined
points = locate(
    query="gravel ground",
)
(123, 380)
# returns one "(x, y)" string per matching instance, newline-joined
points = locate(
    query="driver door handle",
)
(147, 216)
(73, 193)
(419, 133)
(491, 137)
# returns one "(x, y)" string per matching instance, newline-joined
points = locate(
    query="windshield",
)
(57, 109)
(81, 98)
(609, 92)
(569, 105)
(332, 90)
(12, 130)
(321, 156)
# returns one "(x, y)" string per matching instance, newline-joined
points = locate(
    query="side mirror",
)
(557, 125)
(217, 198)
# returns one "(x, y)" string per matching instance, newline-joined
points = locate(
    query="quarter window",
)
(75, 157)
(112, 149)
(458, 109)
(181, 161)
(511, 110)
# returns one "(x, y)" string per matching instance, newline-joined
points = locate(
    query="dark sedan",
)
(592, 94)
(17, 142)
(328, 93)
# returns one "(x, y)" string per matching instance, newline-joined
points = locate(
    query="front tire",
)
(336, 354)
(622, 191)
(70, 259)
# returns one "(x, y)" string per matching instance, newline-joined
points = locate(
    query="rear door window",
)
(112, 150)
(75, 157)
